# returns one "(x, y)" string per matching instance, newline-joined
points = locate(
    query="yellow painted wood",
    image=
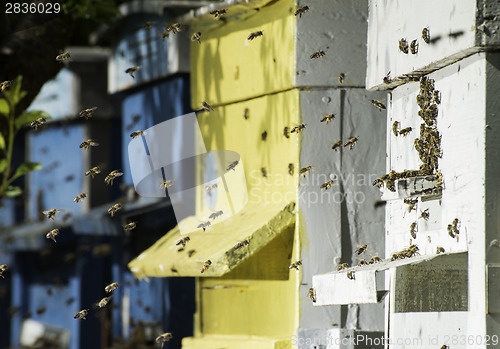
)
(226, 67)
(240, 342)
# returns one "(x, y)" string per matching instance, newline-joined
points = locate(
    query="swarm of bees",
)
(111, 176)
(38, 122)
(408, 252)
(255, 35)
(403, 46)
(79, 197)
(312, 295)
(206, 266)
(298, 128)
(52, 234)
(327, 118)
(241, 244)
(113, 209)
(88, 143)
(87, 113)
(82, 314)
(63, 57)
(351, 142)
(327, 184)
(196, 37)
(136, 134)
(301, 10)
(218, 13)
(295, 265)
(378, 104)
(129, 226)
(318, 54)
(132, 70)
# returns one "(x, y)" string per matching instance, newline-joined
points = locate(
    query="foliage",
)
(8, 102)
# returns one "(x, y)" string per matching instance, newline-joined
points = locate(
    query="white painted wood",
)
(337, 288)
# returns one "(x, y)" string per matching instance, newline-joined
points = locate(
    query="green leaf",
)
(3, 165)
(2, 141)
(14, 93)
(29, 116)
(13, 191)
(25, 168)
(4, 107)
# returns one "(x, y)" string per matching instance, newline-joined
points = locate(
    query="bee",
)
(111, 287)
(136, 134)
(5, 85)
(113, 209)
(312, 295)
(246, 114)
(88, 143)
(129, 226)
(51, 213)
(255, 35)
(174, 28)
(3, 269)
(413, 230)
(206, 266)
(148, 25)
(81, 314)
(337, 145)
(362, 262)
(387, 79)
(404, 132)
(263, 172)
(342, 266)
(196, 37)
(351, 142)
(290, 169)
(341, 78)
(350, 275)
(378, 183)
(165, 337)
(327, 118)
(164, 35)
(403, 45)
(395, 127)
(327, 184)
(232, 165)
(87, 113)
(103, 302)
(183, 241)
(79, 197)
(412, 204)
(52, 234)
(263, 136)
(241, 244)
(305, 170)
(41, 310)
(204, 225)
(218, 13)
(295, 265)
(38, 122)
(298, 128)
(414, 47)
(63, 57)
(374, 259)
(210, 187)
(426, 35)
(214, 215)
(168, 183)
(439, 180)
(286, 131)
(425, 214)
(132, 70)
(378, 104)
(361, 249)
(455, 226)
(437, 97)
(111, 176)
(191, 252)
(301, 10)
(318, 54)
(206, 107)
(439, 250)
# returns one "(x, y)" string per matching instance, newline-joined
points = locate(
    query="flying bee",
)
(81, 314)
(206, 107)
(3, 269)
(395, 128)
(413, 230)
(5, 85)
(214, 215)
(255, 35)
(129, 226)
(387, 79)
(263, 172)
(298, 128)
(414, 47)
(439, 250)
(337, 145)
(241, 244)
(437, 97)
(378, 104)
(426, 35)
(165, 337)
(191, 252)
(79, 197)
(301, 10)
(210, 187)
(246, 113)
(51, 213)
(148, 25)
(351, 142)
(63, 57)
(166, 184)
(361, 249)
(88, 143)
(232, 165)
(111, 287)
(318, 54)
(327, 118)
(311, 295)
(196, 37)
(350, 275)
(263, 136)
(204, 225)
(403, 45)
(405, 131)
(174, 28)
(374, 259)
(38, 122)
(218, 13)
(206, 266)
(295, 265)
(164, 35)
(412, 204)
(341, 78)
(425, 214)
(111, 176)
(290, 169)
(113, 209)
(41, 310)
(342, 266)
(327, 184)
(305, 170)
(132, 70)
(52, 234)
(87, 113)
(136, 134)
(103, 302)
(454, 224)
(450, 231)
(183, 241)
(286, 131)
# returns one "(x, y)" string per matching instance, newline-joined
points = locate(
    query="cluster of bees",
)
(362, 262)
(101, 304)
(408, 252)
(413, 46)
